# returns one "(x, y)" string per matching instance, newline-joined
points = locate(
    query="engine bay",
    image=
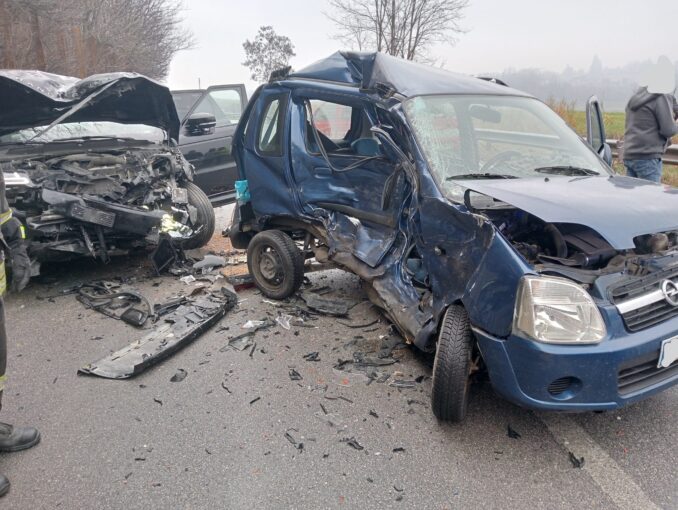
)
(572, 245)
(99, 203)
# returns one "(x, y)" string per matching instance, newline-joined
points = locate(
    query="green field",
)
(614, 124)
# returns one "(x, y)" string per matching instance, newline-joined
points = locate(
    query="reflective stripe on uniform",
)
(3, 278)
(22, 231)
(3, 380)
(5, 217)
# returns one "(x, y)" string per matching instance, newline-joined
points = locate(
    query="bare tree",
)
(267, 53)
(83, 37)
(403, 28)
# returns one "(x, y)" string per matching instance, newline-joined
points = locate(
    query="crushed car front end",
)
(98, 203)
(632, 358)
(572, 294)
(91, 169)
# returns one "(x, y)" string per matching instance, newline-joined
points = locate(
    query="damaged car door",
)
(208, 121)
(340, 168)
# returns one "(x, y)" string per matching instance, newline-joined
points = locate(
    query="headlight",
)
(558, 311)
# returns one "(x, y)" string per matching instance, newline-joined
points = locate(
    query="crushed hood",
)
(35, 98)
(619, 208)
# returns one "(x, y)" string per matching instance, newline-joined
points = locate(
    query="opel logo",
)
(670, 291)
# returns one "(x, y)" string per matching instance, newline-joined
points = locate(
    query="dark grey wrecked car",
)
(91, 168)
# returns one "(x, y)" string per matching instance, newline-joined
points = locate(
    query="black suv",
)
(208, 120)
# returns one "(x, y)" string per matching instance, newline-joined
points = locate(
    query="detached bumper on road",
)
(609, 375)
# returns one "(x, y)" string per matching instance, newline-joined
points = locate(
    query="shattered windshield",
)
(85, 130)
(495, 137)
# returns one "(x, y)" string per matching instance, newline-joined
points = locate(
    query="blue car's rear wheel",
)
(452, 366)
(275, 263)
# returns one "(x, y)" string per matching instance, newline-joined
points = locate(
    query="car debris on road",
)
(180, 327)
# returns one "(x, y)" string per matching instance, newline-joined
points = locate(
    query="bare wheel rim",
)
(269, 265)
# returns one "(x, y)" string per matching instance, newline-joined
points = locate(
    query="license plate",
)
(669, 352)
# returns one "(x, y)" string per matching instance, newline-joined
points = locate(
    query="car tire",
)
(452, 365)
(205, 213)
(275, 263)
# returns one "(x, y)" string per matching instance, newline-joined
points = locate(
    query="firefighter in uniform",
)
(13, 255)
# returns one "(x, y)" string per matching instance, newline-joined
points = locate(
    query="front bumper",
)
(618, 371)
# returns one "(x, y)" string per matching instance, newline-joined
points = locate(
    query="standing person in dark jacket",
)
(12, 438)
(650, 124)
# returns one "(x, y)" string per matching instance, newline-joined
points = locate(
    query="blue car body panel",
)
(464, 256)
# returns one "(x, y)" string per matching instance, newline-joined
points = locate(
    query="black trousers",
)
(3, 348)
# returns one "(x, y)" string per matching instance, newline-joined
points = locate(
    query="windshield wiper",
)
(480, 176)
(96, 137)
(566, 170)
(19, 142)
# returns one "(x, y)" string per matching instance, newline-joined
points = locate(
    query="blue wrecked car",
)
(487, 231)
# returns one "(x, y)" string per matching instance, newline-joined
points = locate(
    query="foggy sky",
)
(547, 34)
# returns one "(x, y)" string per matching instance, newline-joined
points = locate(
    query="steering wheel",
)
(497, 159)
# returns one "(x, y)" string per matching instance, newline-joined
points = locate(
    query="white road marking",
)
(602, 468)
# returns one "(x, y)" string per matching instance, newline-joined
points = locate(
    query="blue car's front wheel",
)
(452, 366)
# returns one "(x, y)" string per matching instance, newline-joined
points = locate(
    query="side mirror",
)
(200, 124)
(595, 127)
(606, 153)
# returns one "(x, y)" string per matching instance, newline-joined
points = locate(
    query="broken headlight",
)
(558, 311)
(174, 228)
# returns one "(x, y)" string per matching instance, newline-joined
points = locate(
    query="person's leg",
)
(648, 169)
(3, 348)
(629, 165)
(12, 439)
(4, 482)
(654, 171)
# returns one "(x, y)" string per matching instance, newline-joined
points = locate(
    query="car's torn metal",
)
(91, 168)
(179, 328)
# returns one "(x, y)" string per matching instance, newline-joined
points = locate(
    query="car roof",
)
(377, 71)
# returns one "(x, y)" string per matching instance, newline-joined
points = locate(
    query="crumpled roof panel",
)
(368, 70)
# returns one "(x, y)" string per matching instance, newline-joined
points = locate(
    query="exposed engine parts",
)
(100, 203)
(571, 245)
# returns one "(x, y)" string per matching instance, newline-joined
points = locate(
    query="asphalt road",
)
(151, 443)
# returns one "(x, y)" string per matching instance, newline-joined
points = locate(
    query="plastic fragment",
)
(284, 320)
(297, 444)
(353, 443)
(512, 433)
(179, 376)
(577, 462)
(253, 324)
(312, 356)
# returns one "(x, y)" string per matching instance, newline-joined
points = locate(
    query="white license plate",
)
(669, 352)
